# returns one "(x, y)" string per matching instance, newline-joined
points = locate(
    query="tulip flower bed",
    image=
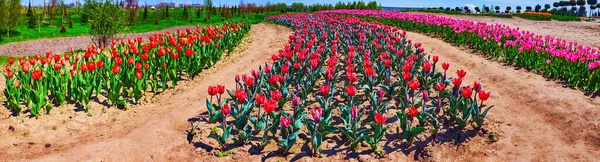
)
(122, 72)
(341, 76)
(552, 57)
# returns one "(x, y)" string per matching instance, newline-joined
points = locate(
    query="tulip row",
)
(552, 57)
(122, 71)
(343, 69)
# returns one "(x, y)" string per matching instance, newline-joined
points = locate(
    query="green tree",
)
(185, 14)
(14, 14)
(106, 20)
(208, 4)
(198, 13)
(167, 12)
(3, 14)
(145, 15)
(31, 23)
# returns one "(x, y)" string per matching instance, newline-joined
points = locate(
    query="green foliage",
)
(534, 17)
(185, 14)
(145, 15)
(106, 18)
(32, 21)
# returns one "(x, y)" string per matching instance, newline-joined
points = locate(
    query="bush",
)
(534, 17)
(156, 21)
(63, 29)
(70, 24)
(565, 18)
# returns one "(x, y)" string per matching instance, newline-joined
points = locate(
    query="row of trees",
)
(559, 8)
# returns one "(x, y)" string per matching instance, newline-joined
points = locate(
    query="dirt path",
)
(63, 44)
(538, 120)
(586, 33)
(149, 131)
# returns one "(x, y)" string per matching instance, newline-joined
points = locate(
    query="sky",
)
(386, 3)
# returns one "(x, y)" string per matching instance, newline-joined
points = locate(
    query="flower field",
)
(122, 72)
(341, 76)
(552, 57)
(337, 85)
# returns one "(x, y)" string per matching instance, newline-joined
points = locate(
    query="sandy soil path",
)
(586, 33)
(63, 44)
(146, 132)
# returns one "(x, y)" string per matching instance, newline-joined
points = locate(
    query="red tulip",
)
(220, 89)
(225, 109)
(91, 66)
(139, 74)
(138, 66)
(352, 78)
(32, 61)
(36, 74)
(260, 99)
(11, 61)
(370, 71)
(25, 68)
(240, 95)
(212, 90)
(406, 76)
(9, 74)
(351, 91)
(57, 67)
(380, 118)
(115, 69)
(316, 114)
(99, 64)
(476, 86)
(435, 59)
(466, 92)
(174, 55)
(144, 56)
(387, 63)
(270, 106)
(189, 52)
(325, 89)
(427, 66)
(285, 69)
(276, 95)
(285, 122)
(161, 52)
(445, 65)
(118, 61)
(461, 73)
(354, 112)
(7, 67)
(83, 68)
(413, 85)
(483, 95)
(130, 61)
(413, 112)
(249, 81)
(440, 86)
(146, 66)
(456, 81)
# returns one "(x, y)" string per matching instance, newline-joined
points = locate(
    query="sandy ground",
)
(586, 33)
(63, 44)
(535, 119)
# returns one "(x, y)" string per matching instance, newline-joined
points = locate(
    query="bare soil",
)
(63, 44)
(585, 33)
(534, 119)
